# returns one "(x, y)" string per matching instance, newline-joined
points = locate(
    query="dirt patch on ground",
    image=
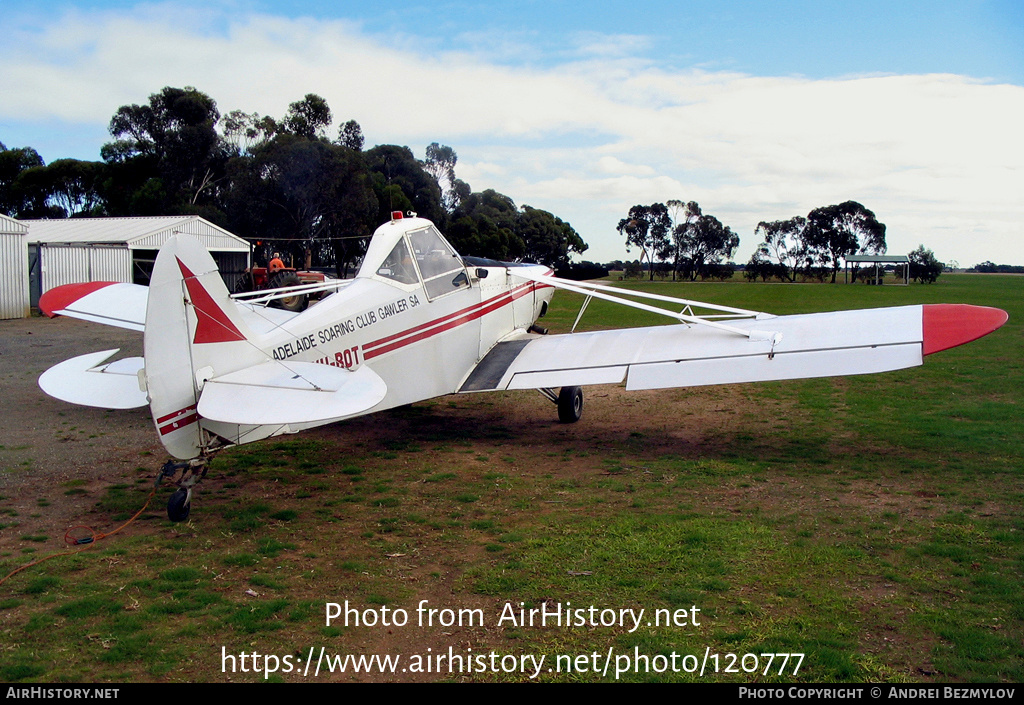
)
(50, 449)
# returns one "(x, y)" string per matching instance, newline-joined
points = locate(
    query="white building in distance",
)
(75, 250)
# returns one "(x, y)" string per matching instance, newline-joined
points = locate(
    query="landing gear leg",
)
(186, 475)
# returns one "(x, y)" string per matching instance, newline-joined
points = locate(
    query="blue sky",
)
(818, 39)
(980, 38)
(758, 110)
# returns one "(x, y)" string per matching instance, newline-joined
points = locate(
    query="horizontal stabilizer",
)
(111, 303)
(83, 380)
(290, 393)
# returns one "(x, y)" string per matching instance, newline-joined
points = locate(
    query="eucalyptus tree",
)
(309, 118)
(924, 266)
(647, 227)
(837, 231)
(166, 155)
(69, 187)
(783, 246)
(701, 242)
(351, 135)
(440, 162)
(306, 195)
(401, 183)
(548, 239)
(18, 199)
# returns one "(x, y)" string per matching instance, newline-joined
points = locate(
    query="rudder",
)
(193, 333)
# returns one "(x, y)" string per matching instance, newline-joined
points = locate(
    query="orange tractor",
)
(277, 276)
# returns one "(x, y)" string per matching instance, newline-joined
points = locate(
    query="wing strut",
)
(597, 291)
(586, 302)
(264, 296)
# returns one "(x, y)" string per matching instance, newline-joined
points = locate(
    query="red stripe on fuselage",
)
(453, 320)
(179, 412)
(441, 320)
(177, 419)
(175, 425)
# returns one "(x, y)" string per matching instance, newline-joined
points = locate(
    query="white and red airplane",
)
(419, 321)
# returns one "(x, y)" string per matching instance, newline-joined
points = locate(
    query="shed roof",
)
(135, 233)
(10, 225)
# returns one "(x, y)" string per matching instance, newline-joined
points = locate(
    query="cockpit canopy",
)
(408, 251)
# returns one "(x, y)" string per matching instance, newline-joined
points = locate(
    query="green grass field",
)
(873, 524)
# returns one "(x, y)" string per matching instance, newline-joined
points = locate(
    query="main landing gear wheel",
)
(570, 404)
(179, 505)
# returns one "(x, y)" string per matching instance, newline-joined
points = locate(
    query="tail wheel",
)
(179, 506)
(570, 404)
(298, 302)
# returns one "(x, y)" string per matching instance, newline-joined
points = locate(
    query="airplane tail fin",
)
(208, 376)
(193, 332)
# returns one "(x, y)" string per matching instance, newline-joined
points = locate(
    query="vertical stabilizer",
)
(193, 333)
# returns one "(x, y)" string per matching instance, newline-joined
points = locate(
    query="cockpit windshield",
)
(438, 263)
(398, 265)
(414, 256)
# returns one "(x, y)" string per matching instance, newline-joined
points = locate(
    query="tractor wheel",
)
(298, 302)
(244, 284)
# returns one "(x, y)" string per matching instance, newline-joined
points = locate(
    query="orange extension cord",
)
(85, 541)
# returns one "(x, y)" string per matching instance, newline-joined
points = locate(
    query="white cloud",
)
(596, 44)
(937, 157)
(613, 165)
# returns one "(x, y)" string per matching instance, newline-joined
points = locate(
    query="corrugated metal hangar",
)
(14, 295)
(118, 249)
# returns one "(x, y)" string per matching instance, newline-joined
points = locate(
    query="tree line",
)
(989, 267)
(815, 246)
(679, 237)
(281, 181)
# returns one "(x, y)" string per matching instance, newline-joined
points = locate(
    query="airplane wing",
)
(687, 355)
(732, 347)
(124, 306)
(112, 303)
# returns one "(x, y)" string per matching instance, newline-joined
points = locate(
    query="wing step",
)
(486, 375)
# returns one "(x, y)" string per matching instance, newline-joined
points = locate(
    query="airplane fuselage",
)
(421, 348)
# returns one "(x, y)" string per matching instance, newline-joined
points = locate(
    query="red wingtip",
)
(948, 325)
(60, 297)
